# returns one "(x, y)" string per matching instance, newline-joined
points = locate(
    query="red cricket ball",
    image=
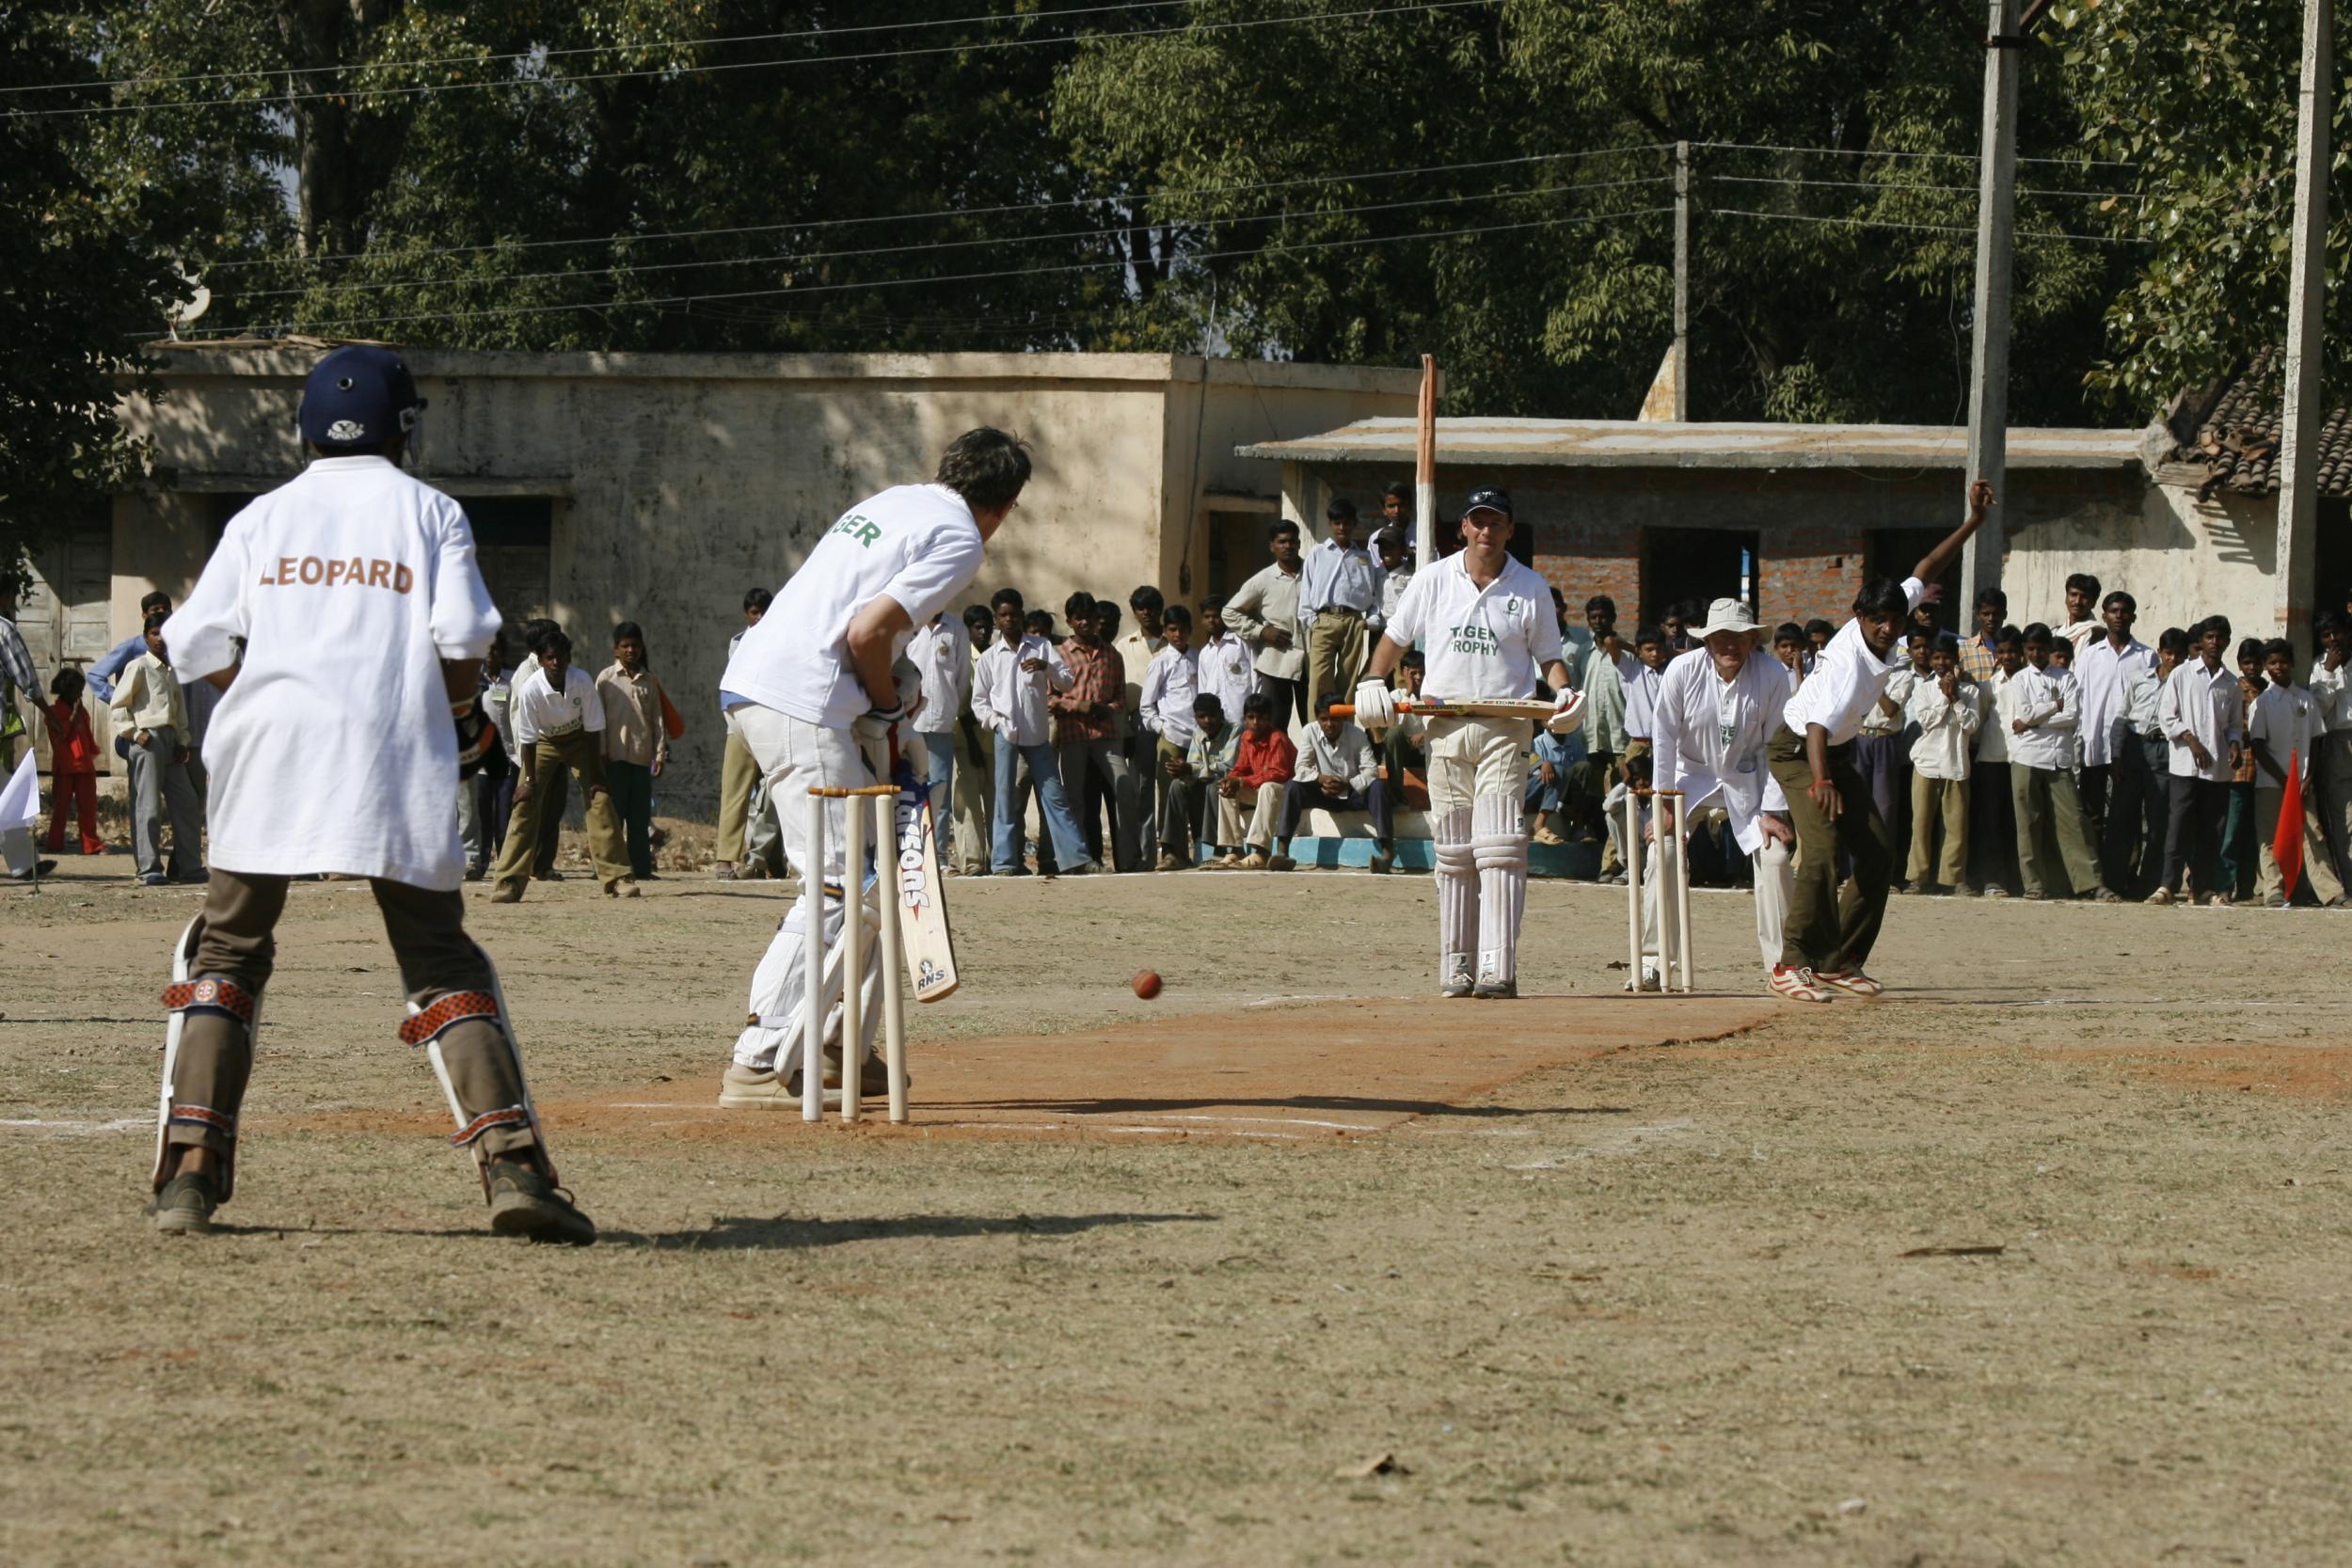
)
(1147, 983)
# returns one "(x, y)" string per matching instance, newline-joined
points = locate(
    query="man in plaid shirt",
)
(1086, 729)
(1976, 660)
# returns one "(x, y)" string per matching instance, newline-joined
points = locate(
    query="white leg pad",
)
(1457, 889)
(1499, 844)
(771, 1039)
(1776, 883)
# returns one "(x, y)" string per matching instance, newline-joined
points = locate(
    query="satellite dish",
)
(198, 301)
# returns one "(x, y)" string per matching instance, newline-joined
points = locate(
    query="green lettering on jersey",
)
(1475, 639)
(859, 527)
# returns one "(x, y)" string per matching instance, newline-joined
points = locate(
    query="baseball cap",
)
(1488, 498)
(358, 398)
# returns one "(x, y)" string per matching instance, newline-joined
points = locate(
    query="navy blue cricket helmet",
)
(358, 398)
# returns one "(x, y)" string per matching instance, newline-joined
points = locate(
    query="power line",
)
(946, 211)
(981, 46)
(290, 72)
(1923, 227)
(814, 256)
(1893, 152)
(1900, 186)
(690, 300)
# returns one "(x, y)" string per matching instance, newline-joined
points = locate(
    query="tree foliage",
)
(81, 284)
(2201, 103)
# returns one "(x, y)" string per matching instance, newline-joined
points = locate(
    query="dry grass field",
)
(1294, 1265)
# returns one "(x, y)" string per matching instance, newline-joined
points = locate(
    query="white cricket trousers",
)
(795, 756)
(1776, 880)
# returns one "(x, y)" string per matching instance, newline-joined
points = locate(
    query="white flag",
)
(19, 801)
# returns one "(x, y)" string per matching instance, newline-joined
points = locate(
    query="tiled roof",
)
(2236, 442)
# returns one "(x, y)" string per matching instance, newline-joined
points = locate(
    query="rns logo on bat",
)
(914, 884)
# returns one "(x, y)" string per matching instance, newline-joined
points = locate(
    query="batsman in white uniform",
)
(1488, 631)
(1717, 707)
(817, 690)
(343, 618)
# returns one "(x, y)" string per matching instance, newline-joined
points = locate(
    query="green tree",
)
(80, 285)
(2201, 103)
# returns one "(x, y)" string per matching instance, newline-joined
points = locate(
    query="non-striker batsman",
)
(1487, 629)
(343, 617)
(815, 690)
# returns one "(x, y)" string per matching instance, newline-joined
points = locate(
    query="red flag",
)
(2287, 844)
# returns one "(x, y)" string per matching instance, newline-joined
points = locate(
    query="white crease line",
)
(81, 1129)
(1324, 996)
(1280, 1121)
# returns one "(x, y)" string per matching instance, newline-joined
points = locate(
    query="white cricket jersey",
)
(541, 710)
(334, 749)
(1846, 679)
(943, 654)
(915, 544)
(1490, 642)
(1227, 672)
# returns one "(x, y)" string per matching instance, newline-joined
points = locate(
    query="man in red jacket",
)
(1263, 763)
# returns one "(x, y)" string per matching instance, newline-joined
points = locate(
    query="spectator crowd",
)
(2060, 759)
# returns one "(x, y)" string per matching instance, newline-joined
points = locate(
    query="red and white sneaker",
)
(1854, 983)
(1796, 984)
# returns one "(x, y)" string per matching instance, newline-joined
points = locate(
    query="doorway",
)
(1892, 552)
(1697, 565)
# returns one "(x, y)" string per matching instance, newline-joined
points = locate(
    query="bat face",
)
(931, 951)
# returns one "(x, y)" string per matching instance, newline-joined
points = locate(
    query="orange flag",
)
(2287, 844)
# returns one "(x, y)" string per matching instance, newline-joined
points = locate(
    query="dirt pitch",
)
(1294, 1265)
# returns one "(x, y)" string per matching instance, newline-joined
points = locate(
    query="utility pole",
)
(1682, 281)
(2306, 302)
(1997, 235)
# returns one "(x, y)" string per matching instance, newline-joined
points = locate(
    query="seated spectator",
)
(1404, 750)
(1637, 773)
(1207, 760)
(1166, 699)
(1264, 764)
(1548, 790)
(1338, 771)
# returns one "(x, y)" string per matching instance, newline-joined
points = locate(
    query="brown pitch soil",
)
(1293, 1264)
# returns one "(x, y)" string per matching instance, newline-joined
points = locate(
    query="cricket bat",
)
(931, 948)
(1467, 707)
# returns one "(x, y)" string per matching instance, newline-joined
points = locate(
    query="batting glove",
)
(1375, 705)
(1568, 714)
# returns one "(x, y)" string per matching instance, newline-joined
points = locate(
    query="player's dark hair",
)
(1921, 634)
(153, 601)
(1397, 489)
(1948, 642)
(986, 467)
(2251, 648)
(2037, 631)
(2007, 635)
(1648, 634)
(1994, 598)
(1789, 631)
(1325, 702)
(2176, 639)
(1145, 597)
(1081, 603)
(67, 684)
(1039, 623)
(1414, 659)
(759, 600)
(1637, 768)
(1279, 528)
(2220, 623)
(153, 623)
(1208, 702)
(552, 640)
(1341, 508)
(2119, 597)
(1881, 597)
(2278, 646)
(1259, 703)
(1176, 615)
(1004, 597)
(975, 616)
(1107, 608)
(1603, 602)
(1816, 626)
(2083, 582)
(628, 629)
(2326, 622)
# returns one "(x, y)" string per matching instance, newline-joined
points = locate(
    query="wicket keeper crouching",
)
(343, 615)
(816, 691)
(1487, 624)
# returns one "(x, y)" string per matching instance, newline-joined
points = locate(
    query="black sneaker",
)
(184, 1207)
(523, 1202)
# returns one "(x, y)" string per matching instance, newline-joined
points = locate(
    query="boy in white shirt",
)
(940, 652)
(559, 729)
(1164, 707)
(2046, 711)
(2286, 723)
(342, 616)
(1992, 804)
(1223, 661)
(1008, 690)
(2202, 711)
(1946, 706)
(1337, 769)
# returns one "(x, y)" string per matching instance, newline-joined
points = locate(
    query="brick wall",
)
(1810, 571)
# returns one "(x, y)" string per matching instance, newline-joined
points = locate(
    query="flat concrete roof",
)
(292, 359)
(1639, 444)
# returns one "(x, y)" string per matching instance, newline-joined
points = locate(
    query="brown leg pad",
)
(209, 1075)
(482, 1071)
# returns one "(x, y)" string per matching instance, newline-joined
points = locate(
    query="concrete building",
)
(659, 488)
(1794, 517)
